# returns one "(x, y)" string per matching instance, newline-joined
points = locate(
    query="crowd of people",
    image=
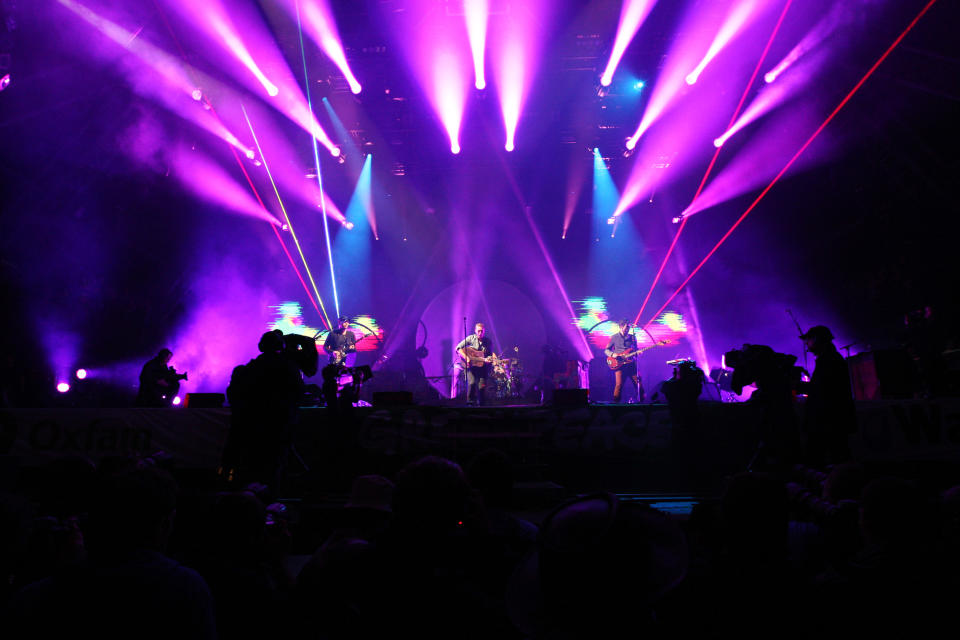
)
(440, 550)
(815, 545)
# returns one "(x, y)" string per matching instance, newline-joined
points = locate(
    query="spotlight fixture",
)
(81, 374)
(196, 94)
(769, 77)
(678, 219)
(63, 387)
(335, 152)
(176, 401)
(692, 78)
(284, 227)
(611, 220)
(455, 147)
(348, 224)
(250, 153)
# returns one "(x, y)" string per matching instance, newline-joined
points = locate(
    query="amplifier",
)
(885, 373)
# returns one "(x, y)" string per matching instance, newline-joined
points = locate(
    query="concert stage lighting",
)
(606, 80)
(691, 78)
(284, 227)
(176, 400)
(769, 77)
(4, 82)
(638, 85)
(509, 146)
(250, 153)
(63, 387)
(348, 225)
(455, 147)
(611, 219)
(335, 152)
(196, 94)
(81, 374)
(631, 143)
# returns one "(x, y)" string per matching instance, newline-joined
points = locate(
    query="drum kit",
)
(506, 377)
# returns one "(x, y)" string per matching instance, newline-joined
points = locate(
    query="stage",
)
(624, 447)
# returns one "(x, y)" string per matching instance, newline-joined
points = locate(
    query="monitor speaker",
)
(392, 398)
(570, 397)
(203, 400)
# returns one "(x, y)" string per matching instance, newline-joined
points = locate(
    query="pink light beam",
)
(515, 46)
(731, 26)
(799, 152)
(232, 41)
(322, 29)
(173, 75)
(632, 15)
(476, 14)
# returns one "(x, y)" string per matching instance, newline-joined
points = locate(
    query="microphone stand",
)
(464, 381)
(800, 329)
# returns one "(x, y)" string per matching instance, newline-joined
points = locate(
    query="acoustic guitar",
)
(476, 357)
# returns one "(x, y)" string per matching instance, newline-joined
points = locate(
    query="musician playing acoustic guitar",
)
(623, 347)
(476, 353)
(340, 342)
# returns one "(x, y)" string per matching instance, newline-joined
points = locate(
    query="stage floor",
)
(631, 446)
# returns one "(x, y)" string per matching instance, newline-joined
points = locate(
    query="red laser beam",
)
(716, 154)
(163, 16)
(803, 148)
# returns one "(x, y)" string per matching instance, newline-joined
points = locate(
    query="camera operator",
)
(775, 376)
(829, 413)
(682, 391)
(159, 383)
(264, 397)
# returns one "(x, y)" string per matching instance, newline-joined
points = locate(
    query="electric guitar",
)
(619, 360)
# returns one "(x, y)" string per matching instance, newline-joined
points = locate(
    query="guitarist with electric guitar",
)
(340, 342)
(476, 353)
(621, 354)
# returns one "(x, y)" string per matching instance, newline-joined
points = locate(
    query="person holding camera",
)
(159, 383)
(264, 399)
